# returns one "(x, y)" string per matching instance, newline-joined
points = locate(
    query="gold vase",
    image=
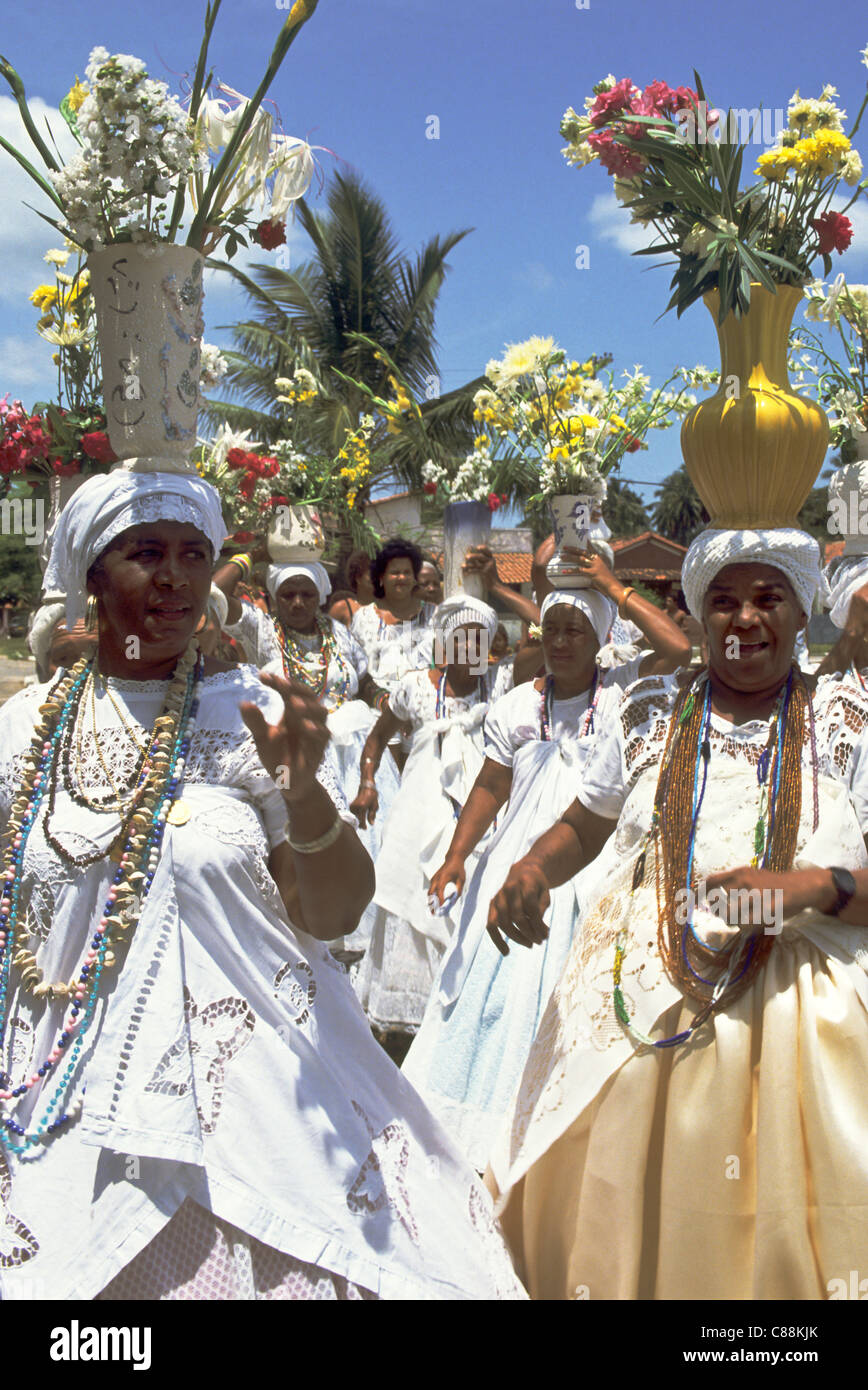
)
(753, 450)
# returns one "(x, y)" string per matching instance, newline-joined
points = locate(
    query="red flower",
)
(98, 447)
(244, 537)
(236, 458)
(270, 234)
(430, 488)
(835, 232)
(608, 104)
(278, 501)
(493, 501)
(633, 443)
(67, 470)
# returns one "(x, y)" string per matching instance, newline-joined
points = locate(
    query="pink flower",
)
(614, 158)
(608, 104)
(835, 232)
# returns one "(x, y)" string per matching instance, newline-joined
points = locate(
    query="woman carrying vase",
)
(469, 1053)
(691, 1119)
(172, 1023)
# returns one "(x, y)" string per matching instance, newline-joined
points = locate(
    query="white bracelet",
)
(325, 841)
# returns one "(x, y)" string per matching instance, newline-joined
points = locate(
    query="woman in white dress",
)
(484, 1010)
(192, 1104)
(444, 709)
(395, 630)
(691, 1121)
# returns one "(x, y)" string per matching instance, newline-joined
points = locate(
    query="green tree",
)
(624, 511)
(357, 282)
(678, 512)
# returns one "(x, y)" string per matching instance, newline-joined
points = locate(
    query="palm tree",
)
(624, 510)
(357, 282)
(678, 512)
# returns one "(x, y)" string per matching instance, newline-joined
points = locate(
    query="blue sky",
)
(364, 81)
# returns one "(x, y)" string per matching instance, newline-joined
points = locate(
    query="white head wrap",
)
(849, 575)
(45, 620)
(315, 572)
(108, 504)
(794, 553)
(462, 609)
(599, 610)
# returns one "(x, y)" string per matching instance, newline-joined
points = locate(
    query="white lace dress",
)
(733, 1167)
(446, 753)
(233, 1102)
(484, 1009)
(393, 649)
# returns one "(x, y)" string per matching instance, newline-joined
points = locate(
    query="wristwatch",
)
(846, 886)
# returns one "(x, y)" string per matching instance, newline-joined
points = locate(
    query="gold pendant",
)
(179, 814)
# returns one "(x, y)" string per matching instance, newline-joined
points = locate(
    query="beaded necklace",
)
(136, 866)
(441, 696)
(546, 717)
(314, 674)
(684, 954)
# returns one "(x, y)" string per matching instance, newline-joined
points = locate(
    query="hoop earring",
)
(91, 615)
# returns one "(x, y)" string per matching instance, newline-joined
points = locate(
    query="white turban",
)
(599, 610)
(851, 574)
(462, 609)
(108, 504)
(794, 553)
(45, 620)
(315, 572)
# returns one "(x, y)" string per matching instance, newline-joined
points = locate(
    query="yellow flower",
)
(560, 451)
(44, 296)
(616, 420)
(481, 441)
(76, 95)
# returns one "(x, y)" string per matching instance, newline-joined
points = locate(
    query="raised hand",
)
(291, 750)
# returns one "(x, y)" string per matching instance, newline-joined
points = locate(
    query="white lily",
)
(292, 166)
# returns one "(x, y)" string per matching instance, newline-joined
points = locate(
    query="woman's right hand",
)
(451, 871)
(365, 806)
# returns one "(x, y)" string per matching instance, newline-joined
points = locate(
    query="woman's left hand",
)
(291, 750)
(762, 898)
(592, 566)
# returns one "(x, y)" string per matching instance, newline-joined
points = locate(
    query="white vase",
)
(148, 301)
(465, 524)
(573, 518)
(848, 501)
(296, 535)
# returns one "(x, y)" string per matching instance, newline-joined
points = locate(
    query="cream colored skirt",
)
(733, 1168)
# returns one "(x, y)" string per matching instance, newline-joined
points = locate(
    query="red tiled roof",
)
(649, 536)
(513, 566)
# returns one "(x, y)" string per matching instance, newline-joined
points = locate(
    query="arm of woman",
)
(366, 804)
(670, 647)
(341, 609)
(488, 793)
(480, 560)
(227, 577)
(323, 872)
(517, 910)
(751, 898)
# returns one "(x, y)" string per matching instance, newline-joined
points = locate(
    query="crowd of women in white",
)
(535, 800)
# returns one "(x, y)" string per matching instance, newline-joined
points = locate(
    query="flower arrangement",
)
(568, 423)
(841, 382)
(143, 154)
(677, 166)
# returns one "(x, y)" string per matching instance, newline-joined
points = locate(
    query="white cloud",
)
(858, 215)
(537, 275)
(24, 238)
(26, 369)
(612, 223)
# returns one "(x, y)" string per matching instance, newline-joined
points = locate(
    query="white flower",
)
(56, 257)
(226, 439)
(292, 166)
(214, 366)
(851, 167)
